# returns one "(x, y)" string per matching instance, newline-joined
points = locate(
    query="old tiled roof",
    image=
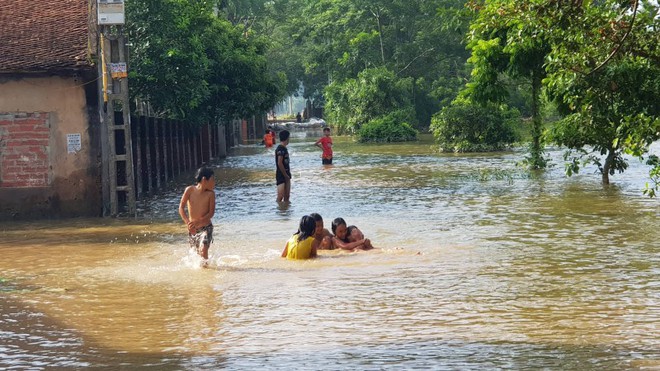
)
(43, 35)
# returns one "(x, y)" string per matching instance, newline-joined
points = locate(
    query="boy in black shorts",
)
(283, 172)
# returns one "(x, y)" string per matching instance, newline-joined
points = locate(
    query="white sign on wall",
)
(73, 143)
(110, 11)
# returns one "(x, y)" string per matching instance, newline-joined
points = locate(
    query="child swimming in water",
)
(322, 234)
(302, 245)
(355, 234)
(349, 238)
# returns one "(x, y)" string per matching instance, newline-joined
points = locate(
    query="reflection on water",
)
(284, 208)
(516, 270)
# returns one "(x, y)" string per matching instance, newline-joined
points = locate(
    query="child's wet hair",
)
(203, 172)
(284, 135)
(317, 217)
(350, 229)
(306, 228)
(336, 223)
(326, 129)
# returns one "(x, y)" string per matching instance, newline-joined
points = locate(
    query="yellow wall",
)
(74, 181)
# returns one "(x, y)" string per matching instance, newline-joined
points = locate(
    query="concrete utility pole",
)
(117, 149)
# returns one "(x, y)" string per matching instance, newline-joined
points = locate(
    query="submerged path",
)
(516, 271)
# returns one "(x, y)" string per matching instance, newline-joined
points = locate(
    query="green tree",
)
(375, 93)
(240, 82)
(168, 63)
(468, 127)
(188, 63)
(392, 127)
(504, 41)
(270, 20)
(604, 73)
(245, 13)
(415, 39)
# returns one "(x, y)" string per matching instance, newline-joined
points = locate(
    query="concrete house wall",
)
(48, 99)
(40, 175)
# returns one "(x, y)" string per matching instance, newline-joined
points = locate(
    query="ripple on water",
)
(515, 270)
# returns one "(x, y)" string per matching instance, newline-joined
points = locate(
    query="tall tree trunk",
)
(376, 14)
(537, 124)
(609, 160)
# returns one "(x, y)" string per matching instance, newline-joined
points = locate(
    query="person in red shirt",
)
(325, 143)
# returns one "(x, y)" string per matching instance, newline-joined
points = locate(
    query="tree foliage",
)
(468, 127)
(604, 73)
(168, 65)
(323, 45)
(417, 40)
(273, 21)
(392, 127)
(598, 61)
(504, 42)
(188, 63)
(375, 93)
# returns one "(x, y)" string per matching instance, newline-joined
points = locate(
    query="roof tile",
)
(43, 35)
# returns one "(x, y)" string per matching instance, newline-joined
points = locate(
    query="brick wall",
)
(24, 160)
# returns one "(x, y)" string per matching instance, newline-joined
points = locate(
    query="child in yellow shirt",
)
(302, 245)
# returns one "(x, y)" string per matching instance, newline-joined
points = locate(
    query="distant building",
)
(50, 161)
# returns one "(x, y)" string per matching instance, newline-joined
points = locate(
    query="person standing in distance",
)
(272, 134)
(268, 139)
(283, 172)
(325, 143)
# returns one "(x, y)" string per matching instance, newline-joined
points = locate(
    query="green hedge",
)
(467, 127)
(392, 127)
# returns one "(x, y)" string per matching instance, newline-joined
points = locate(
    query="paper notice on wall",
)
(118, 70)
(73, 143)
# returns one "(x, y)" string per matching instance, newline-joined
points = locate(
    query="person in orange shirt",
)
(268, 139)
(272, 134)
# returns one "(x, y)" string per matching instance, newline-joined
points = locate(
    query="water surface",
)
(481, 266)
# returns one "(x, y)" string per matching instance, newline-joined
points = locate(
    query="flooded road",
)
(481, 266)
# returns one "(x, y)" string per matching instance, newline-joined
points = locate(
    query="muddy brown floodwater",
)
(515, 271)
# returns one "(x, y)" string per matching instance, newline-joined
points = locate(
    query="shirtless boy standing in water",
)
(200, 200)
